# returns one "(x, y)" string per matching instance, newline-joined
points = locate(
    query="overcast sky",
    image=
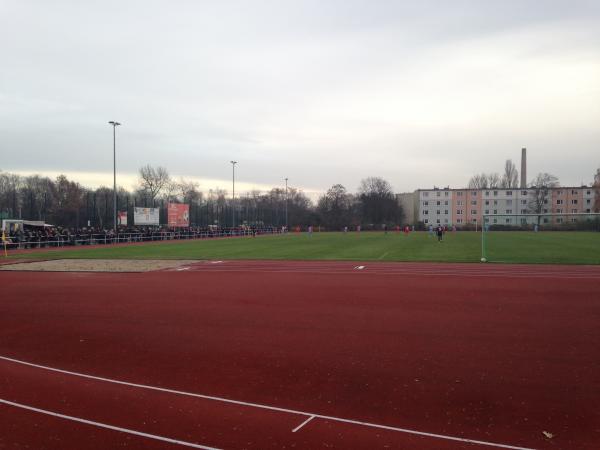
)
(323, 92)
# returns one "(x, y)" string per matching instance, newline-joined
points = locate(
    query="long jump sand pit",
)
(96, 265)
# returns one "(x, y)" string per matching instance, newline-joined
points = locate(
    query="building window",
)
(573, 192)
(545, 220)
(523, 202)
(459, 212)
(487, 211)
(426, 220)
(495, 202)
(446, 203)
(459, 221)
(495, 211)
(473, 202)
(487, 193)
(446, 211)
(509, 211)
(459, 194)
(495, 193)
(473, 212)
(559, 202)
(509, 193)
(574, 211)
(545, 211)
(508, 202)
(438, 203)
(487, 202)
(437, 194)
(559, 211)
(587, 210)
(459, 203)
(588, 192)
(425, 194)
(523, 192)
(438, 221)
(507, 220)
(559, 193)
(474, 193)
(574, 201)
(523, 211)
(438, 211)
(495, 220)
(446, 194)
(587, 201)
(425, 203)
(559, 220)
(426, 212)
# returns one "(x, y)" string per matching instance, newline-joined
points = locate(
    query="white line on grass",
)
(303, 423)
(104, 425)
(267, 407)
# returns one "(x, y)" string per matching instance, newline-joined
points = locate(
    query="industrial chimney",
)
(523, 168)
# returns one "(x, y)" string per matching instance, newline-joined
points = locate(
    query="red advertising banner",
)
(178, 215)
(122, 218)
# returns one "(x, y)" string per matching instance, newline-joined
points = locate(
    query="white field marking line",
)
(267, 407)
(383, 256)
(104, 425)
(433, 274)
(303, 423)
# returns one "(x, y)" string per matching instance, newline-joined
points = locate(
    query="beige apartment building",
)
(459, 207)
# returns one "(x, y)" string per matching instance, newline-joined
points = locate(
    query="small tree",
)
(510, 180)
(541, 186)
(153, 180)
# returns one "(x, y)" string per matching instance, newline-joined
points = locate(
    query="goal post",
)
(540, 237)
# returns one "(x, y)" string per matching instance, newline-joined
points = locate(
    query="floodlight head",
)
(114, 124)
(233, 162)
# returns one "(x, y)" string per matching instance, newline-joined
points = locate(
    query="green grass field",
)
(507, 247)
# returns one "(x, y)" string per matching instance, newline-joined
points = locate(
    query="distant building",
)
(409, 206)
(468, 206)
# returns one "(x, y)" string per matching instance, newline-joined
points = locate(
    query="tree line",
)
(67, 203)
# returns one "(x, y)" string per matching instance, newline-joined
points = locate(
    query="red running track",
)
(498, 359)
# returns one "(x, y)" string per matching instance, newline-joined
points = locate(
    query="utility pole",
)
(286, 204)
(233, 163)
(114, 125)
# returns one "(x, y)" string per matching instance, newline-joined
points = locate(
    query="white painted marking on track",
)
(104, 425)
(182, 268)
(216, 262)
(303, 423)
(359, 267)
(268, 407)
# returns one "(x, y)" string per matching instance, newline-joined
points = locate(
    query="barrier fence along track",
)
(64, 240)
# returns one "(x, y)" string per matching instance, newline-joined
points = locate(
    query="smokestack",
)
(523, 168)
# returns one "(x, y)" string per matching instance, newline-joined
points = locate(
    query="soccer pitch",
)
(505, 247)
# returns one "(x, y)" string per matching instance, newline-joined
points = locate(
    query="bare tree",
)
(378, 202)
(495, 180)
(541, 186)
(153, 180)
(510, 180)
(479, 181)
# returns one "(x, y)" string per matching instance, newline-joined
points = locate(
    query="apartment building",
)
(449, 207)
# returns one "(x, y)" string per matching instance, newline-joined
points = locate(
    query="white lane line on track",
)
(539, 275)
(267, 407)
(303, 423)
(104, 425)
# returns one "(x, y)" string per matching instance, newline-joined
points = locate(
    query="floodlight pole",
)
(233, 163)
(114, 125)
(286, 204)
